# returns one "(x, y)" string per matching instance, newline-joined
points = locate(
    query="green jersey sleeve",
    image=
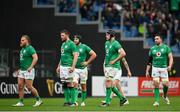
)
(117, 46)
(88, 49)
(31, 50)
(150, 52)
(168, 50)
(74, 48)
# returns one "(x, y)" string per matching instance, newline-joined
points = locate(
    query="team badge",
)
(80, 50)
(162, 50)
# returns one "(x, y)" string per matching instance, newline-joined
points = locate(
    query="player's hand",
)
(169, 68)
(16, 73)
(111, 62)
(58, 70)
(84, 63)
(71, 69)
(29, 69)
(129, 74)
(147, 74)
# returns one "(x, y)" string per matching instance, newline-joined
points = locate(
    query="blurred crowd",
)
(45, 2)
(157, 16)
(140, 17)
(136, 18)
(89, 9)
(67, 6)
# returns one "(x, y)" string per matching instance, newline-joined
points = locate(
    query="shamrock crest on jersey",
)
(159, 55)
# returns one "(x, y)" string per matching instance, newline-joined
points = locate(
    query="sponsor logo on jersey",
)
(158, 54)
(62, 51)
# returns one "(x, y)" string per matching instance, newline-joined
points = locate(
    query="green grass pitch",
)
(92, 104)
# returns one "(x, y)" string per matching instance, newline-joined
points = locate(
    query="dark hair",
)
(111, 32)
(78, 36)
(28, 38)
(65, 31)
(158, 36)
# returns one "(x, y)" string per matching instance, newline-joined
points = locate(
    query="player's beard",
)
(158, 43)
(78, 43)
(22, 45)
(64, 40)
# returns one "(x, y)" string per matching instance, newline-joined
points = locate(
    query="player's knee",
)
(75, 84)
(20, 86)
(108, 83)
(29, 87)
(83, 86)
(84, 89)
(165, 81)
(156, 84)
(156, 81)
(116, 83)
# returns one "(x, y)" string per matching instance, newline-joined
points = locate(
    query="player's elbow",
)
(123, 54)
(76, 54)
(35, 57)
(94, 55)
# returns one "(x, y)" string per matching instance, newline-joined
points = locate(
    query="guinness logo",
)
(50, 84)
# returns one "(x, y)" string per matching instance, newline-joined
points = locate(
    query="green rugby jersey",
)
(111, 49)
(83, 53)
(160, 55)
(26, 57)
(67, 50)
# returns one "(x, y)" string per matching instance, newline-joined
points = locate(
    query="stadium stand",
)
(133, 18)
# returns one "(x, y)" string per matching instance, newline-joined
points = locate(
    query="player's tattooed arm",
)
(170, 56)
(127, 67)
(91, 58)
(34, 61)
(122, 54)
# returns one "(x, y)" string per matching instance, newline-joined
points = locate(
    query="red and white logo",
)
(146, 88)
(158, 54)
